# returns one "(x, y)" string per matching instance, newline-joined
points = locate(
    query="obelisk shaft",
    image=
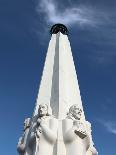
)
(59, 85)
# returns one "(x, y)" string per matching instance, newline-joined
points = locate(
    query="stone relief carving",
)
(21, 146)
(42, 135)
(44, 131)
(75, 136)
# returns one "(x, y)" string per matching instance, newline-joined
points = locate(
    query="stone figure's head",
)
(75, 111)
(27, 123)
(44, 110)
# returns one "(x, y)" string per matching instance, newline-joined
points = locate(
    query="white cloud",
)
(79, 15)
(84, 16)
(110, 126)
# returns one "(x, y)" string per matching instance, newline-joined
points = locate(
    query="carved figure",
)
(45, 132)
(21, 146)
(92, 150)
(75, 136)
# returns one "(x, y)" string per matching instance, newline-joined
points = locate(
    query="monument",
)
(58, 125)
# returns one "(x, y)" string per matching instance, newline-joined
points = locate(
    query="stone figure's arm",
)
(86, 141)
(70, 135)
(38, 132)
(22, 142)
(75, 131)
(80, 130)
(82, 133)
(21, 145)
(50, 133)
(32, 136)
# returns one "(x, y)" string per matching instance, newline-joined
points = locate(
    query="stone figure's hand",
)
(42, 123)
(79, 129)
(76, 124)
(38, 132)
(75, 127)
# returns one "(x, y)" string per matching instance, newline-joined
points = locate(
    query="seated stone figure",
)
(75, 136)
(45, 131)
(92, 150)
(21, 146)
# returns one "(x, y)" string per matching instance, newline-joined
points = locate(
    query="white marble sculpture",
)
(45, 131)
(52, 131)
(21, 146)
(76, 138)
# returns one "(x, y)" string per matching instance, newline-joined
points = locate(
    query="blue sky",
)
(24, 38)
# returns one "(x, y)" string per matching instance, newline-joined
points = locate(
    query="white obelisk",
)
(59, 86)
